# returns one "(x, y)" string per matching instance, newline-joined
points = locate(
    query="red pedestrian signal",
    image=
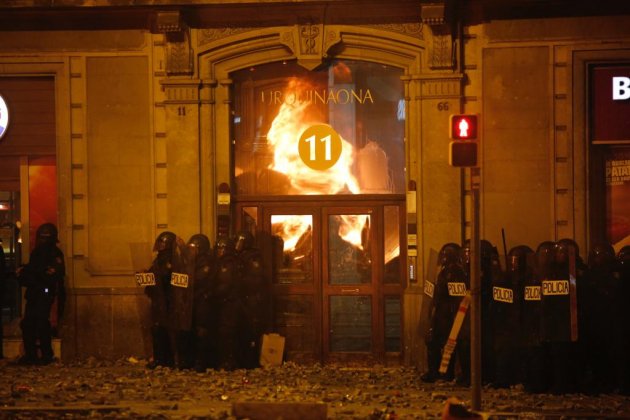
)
(463, 127)
(463, 150)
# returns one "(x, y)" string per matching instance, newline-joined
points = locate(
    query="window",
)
(357, 104)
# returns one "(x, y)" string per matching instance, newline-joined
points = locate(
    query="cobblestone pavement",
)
(125, 389)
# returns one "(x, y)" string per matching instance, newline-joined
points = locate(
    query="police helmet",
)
(165, 241)
(244, 240)
(449, 254)
(601, 255)
(225, 247)
(46, 234)
(518, 256)
(200, 242)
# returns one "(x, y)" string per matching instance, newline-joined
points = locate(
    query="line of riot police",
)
(207, 306)
(548, 321)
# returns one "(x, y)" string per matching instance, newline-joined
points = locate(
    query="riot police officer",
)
(507, 294)
(180, 298)
(529, 296)
(255, 300)
(441, 314)
(601, 323)
(489, 265)
(168, 260)
(557, 325)
(43, 278)
(490, 273)
(623, 372)
(227, 302)
(534, 377)
(201, 266)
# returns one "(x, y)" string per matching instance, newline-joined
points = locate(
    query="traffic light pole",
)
(475, 292)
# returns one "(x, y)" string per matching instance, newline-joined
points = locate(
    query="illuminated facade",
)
(189, 118)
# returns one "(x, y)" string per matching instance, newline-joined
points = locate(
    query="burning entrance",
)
(329, 146)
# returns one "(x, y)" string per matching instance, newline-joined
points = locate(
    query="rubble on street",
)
(127, 389)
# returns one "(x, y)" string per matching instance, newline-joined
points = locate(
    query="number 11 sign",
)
(320, 147)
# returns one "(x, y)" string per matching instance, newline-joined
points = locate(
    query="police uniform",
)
(201, 265)
(557, 320)
(181, 295)
(602, 327)
(255, 301)
(226, 298)
(441, 316)
(43, 278)
(166, 261)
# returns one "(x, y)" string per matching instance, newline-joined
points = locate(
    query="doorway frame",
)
(320, 207)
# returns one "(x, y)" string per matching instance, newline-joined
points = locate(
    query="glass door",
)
(291, 249)
(336, 275)
(350, 270)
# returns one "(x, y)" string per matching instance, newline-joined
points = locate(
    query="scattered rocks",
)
(126, 389)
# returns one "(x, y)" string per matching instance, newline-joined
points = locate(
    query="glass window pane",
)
(391, 247)
(293, 317)
(292, 248)
(249, 219)
(350, 323)
(362, 102)
(392, 324)
(349, 259)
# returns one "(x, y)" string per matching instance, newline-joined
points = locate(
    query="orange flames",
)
(291, 228)
(286, 128)
(292, 119)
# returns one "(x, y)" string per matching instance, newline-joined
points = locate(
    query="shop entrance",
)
(28, 177)
(335, 274)
(318, 175)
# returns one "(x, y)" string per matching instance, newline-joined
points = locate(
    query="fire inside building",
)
(329, 130)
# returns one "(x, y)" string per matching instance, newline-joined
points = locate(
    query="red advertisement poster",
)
(617, 173)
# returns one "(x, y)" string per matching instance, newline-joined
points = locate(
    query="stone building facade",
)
(141, 99)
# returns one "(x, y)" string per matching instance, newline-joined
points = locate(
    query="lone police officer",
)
(43, 278)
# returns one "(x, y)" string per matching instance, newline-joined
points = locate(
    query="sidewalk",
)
(125, 389)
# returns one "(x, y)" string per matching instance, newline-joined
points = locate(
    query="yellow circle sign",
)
(320, 147)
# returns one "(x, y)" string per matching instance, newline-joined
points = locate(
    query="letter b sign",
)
(621, 88)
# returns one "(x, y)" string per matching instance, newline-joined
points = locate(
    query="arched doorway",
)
(319, 161)
(337, 295)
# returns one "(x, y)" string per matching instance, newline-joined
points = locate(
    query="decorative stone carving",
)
(310, 38)
(179, 54)
(181, 91)
(441, 52)
(441, 56)
(410, 29)
(207, 36)
(440, 86)
(433, 14)
(332, 37)
(307, 42)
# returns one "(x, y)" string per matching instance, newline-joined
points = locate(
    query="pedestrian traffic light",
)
(463, 149)
(463, 127)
